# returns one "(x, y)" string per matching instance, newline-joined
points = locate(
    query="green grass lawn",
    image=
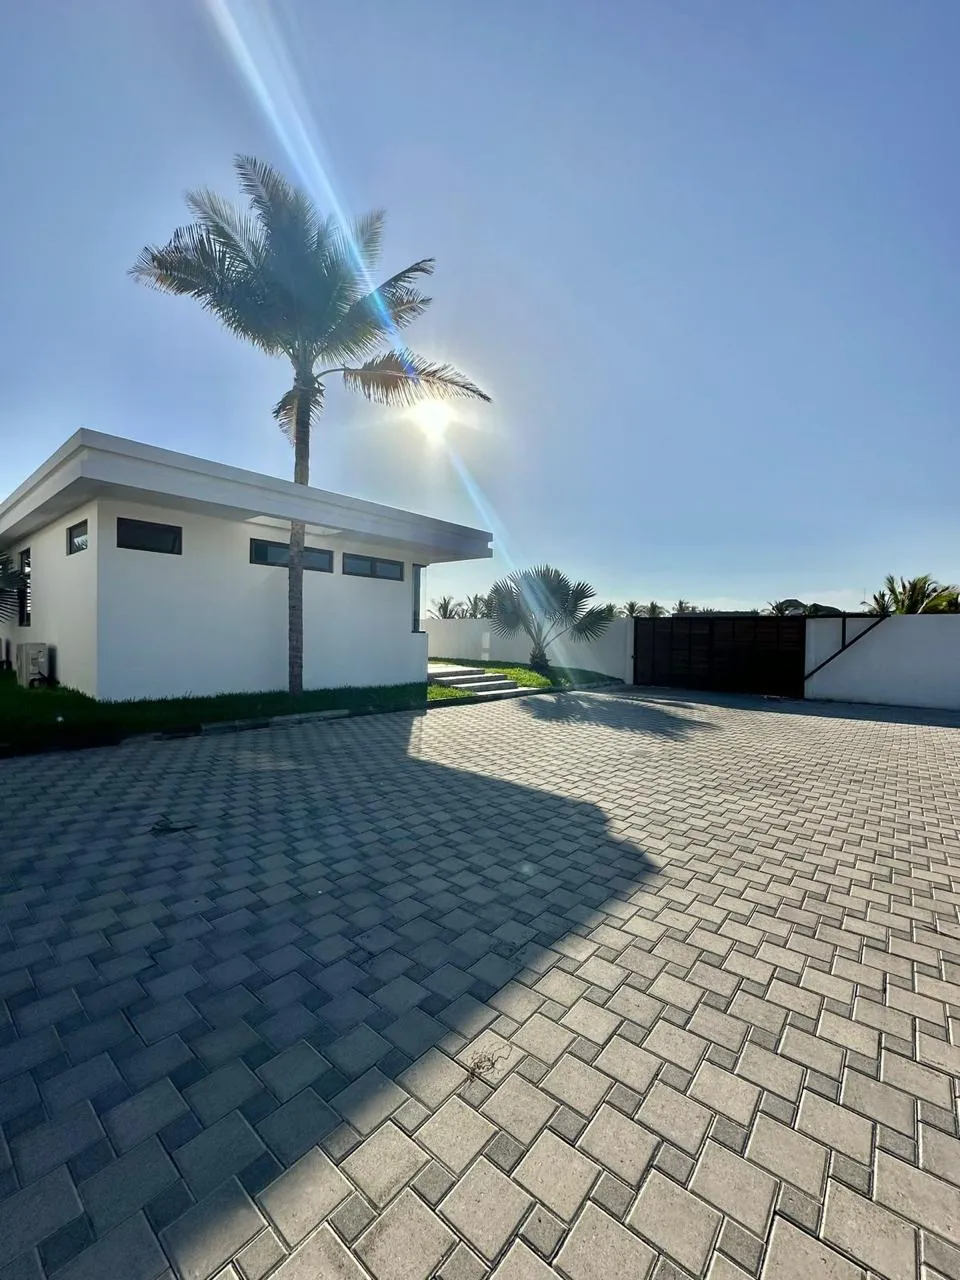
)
(556, 678)
(51, 719)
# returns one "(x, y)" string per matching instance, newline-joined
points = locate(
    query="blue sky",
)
(704, 256)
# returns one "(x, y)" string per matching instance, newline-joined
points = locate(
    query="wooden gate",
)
(751, 654)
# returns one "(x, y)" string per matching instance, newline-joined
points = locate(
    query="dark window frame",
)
(127, 527)
(373, 561)
(417, 577)
(285, 564)
(79, 530)
(25, 593)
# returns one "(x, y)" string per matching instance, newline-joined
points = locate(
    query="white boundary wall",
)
(908, 661)
(473, 640)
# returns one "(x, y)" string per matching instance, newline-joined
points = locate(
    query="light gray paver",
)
(675, 1221)
(794, 1255)
(486, 1208)
(598, 1248)
(870, 1233)
(557, 1175)
(619, 1144)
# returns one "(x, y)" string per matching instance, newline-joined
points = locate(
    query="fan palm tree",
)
(545, 604)
(446, 609)
(295, 283)
(923, 594)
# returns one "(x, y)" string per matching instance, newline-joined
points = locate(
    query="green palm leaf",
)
(401, 377)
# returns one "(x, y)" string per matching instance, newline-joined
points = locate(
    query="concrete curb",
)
(470, 699)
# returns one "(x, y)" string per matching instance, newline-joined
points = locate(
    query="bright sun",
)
(433, 417)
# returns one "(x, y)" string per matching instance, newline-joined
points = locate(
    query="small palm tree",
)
(446, 609)
(632, 609)
(779, 608)
(475, 607)
(545, 604)
(923, 594)
(654, 610)
(294, 283)
(683, 606)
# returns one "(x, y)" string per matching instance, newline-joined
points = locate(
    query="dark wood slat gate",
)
(727, 655)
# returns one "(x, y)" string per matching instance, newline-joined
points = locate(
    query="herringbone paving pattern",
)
(599, 987)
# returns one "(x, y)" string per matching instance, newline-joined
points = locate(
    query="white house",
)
(152, 573)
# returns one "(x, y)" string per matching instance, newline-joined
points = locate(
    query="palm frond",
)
(194, 264)
(278, 204)
(229, 226)
(285, 410)
(374, 318)
(401, 377)
(364, 239)
(590, 625)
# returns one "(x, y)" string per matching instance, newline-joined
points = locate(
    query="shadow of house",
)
(276, 940)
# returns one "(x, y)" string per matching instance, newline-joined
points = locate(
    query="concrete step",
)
(488, 683)
(445, 669)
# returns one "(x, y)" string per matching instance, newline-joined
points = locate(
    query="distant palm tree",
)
(545, 604)
(297, 284)
(653, 610)
(683, 606)
(446, 609)
(879, 605)
(923, 594)
(475, 607)
(632, 609)
(779, 608)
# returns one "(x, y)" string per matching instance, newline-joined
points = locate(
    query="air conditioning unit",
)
(33, 664)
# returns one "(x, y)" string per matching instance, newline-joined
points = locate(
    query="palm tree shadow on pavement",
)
(626, 714)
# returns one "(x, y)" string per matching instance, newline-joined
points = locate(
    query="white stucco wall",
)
(909, 661)
(209, 621)
(64, 599)
(472, 639)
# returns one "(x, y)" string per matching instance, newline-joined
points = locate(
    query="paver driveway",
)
(599, 987)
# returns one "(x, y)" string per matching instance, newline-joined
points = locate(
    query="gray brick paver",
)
(449, 932)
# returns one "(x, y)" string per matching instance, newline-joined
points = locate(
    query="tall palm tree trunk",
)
(298, 532)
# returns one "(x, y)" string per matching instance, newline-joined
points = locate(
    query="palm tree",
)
(632, 609)
(922, 594)
(294, 283)
(545, 604)
(683, 606)
(653, 610)
(475, 607)
(446, 609)
(879, 605)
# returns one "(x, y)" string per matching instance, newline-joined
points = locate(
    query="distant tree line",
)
(923, 594)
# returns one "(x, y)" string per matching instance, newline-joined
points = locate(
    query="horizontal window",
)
(144, 535)
(77, 538)
(370, 567)
(278, 553)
